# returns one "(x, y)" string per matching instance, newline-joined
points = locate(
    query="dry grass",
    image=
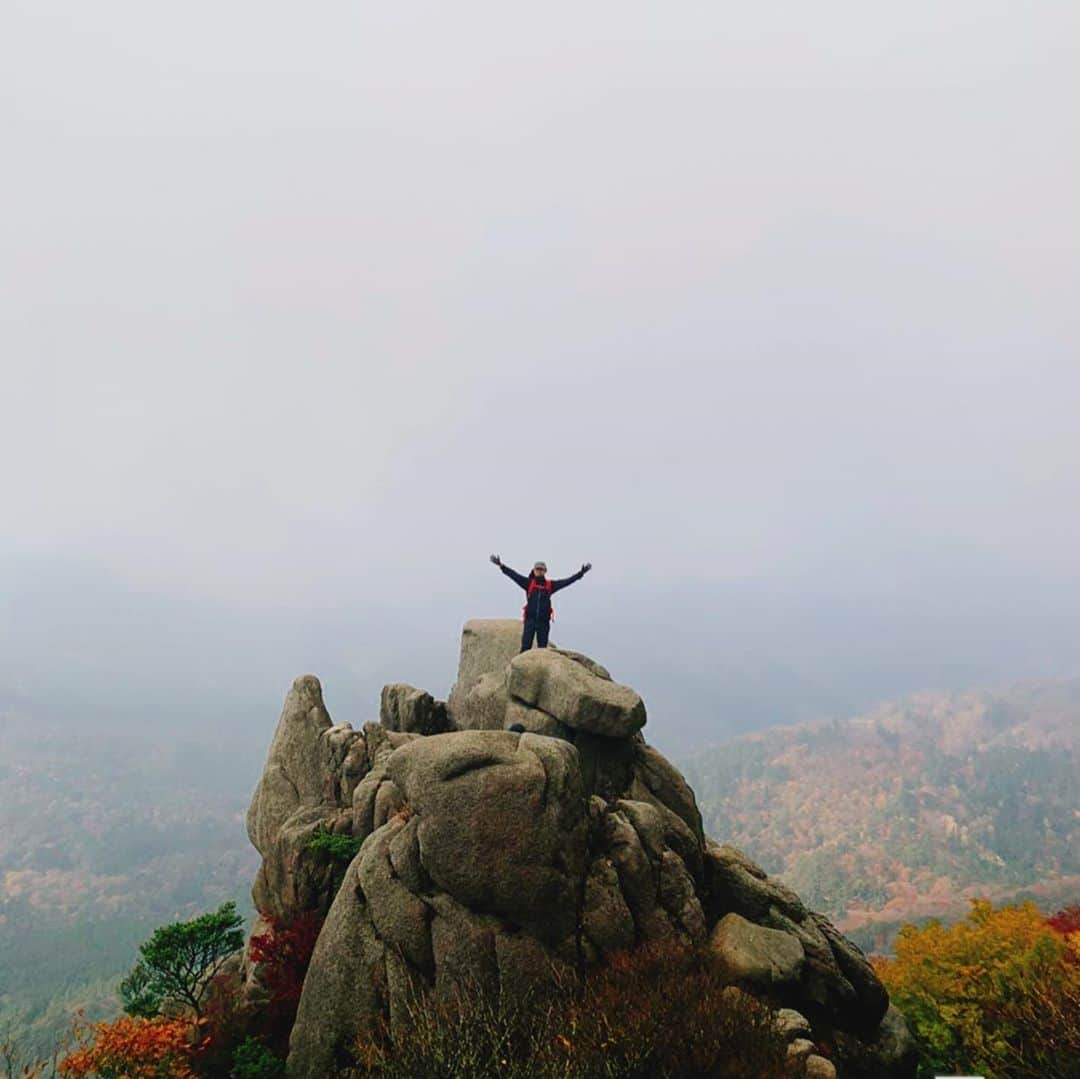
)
(656, 1013)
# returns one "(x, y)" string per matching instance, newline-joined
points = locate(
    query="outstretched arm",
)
(518, 579)
(556, 585)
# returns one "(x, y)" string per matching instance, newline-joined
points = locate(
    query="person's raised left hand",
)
(586, 566)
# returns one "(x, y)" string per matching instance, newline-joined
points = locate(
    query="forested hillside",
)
(905, 812)
(898, 814)
(102, 840)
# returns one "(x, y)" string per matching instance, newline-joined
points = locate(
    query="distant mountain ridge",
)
(906, 811)
(107, 836)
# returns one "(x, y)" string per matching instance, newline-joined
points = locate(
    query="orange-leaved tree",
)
(997, 994)
(132, 1048)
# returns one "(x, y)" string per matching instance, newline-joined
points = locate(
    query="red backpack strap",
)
(534, 586)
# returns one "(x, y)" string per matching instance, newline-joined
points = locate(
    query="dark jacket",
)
(538, 602)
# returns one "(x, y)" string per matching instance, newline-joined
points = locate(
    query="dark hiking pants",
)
(538, 629)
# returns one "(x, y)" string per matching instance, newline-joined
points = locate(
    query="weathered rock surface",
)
(409, 710)
(487, 647)
(485, 705)
(573, 693)
(549, 691)
(792, 1024)
(837, 985)
(889, 1050)
(819, 1067)
(500, 824)
(500, 859)
(309, 770)
(755, 955)
(294, 768)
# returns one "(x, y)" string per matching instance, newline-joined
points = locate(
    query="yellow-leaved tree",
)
(997, 994)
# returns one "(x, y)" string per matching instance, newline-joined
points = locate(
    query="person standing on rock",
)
(537, 612)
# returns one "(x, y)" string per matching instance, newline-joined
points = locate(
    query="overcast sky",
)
(312, 307)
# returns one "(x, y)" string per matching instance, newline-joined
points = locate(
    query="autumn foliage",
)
(997, 994)
(659, 1012)
(283, 953)
(1067, 923)
(132, 1048)
(206, 1032)
(663, 1010)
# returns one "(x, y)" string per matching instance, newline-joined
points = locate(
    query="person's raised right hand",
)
(496, 559)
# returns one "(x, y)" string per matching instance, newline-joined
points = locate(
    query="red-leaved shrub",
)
(1066, 921)
(283, 953)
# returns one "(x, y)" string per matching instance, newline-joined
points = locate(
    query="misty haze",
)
(768, 313)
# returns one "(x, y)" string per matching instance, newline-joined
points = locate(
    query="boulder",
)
(869, 1001)
(401, 919)
(824, 991)
(637, 875)
(735, 883)
(799, 1048)
(487, 647)
(502, 823)
(569, 691)
(818, 1067)
(837, 982)
(476, 880)
(404, 708)
(483, 707)
(587, 662)
(890, 1052)
(792, 1024)
(755, 955)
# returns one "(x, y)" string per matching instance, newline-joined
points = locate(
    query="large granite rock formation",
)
(499, 858)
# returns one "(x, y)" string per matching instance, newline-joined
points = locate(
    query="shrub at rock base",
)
(283, 953)
(656, 1012)
(253, 1060)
